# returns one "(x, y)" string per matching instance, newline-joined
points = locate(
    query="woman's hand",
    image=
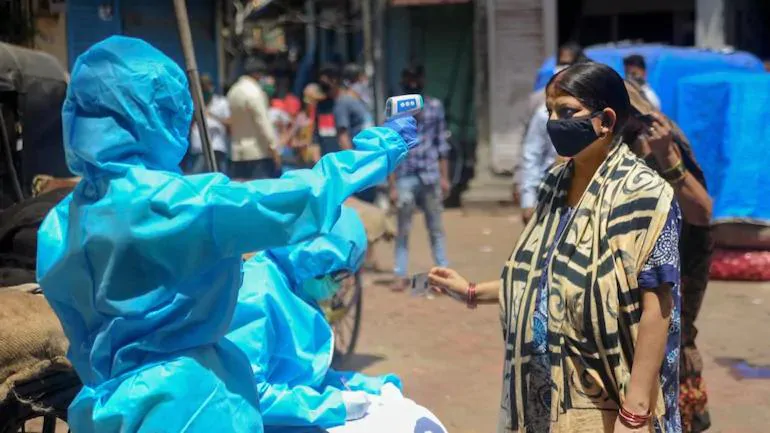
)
(659, 136)
(448, 280)
(621, 428)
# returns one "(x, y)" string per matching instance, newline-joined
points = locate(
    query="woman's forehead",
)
(558, 97)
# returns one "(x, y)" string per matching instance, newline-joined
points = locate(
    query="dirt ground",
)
(450, 357)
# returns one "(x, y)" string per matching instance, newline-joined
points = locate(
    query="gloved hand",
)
(356, 404)
(391, 392)
(406, 127)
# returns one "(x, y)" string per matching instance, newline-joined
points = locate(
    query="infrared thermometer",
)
(402, 106)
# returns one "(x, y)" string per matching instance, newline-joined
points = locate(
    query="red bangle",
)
(632, 420)
(471, 301)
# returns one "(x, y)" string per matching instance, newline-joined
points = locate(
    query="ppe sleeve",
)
(301, 406)
(352, 381)
(261, 214)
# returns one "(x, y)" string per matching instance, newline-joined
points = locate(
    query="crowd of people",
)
(255, 134)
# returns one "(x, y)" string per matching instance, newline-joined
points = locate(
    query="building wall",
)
(516, 43)
(51, 36)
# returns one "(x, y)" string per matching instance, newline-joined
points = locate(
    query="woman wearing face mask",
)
(282, 330)
(590, 294)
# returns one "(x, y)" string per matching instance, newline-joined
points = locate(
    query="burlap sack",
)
(376, 222)
(32, 342)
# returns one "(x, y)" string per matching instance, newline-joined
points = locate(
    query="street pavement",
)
(450, 357)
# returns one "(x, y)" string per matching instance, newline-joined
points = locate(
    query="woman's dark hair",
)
(596, 86)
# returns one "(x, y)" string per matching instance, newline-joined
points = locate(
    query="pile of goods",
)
(725, 116)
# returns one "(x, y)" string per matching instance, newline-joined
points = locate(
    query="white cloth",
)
(651, 95)
(252, 133)
(356, 404)
(391, 412)
(538, 154)
(218, 108)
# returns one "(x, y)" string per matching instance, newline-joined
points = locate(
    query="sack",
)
(740, 265)
(18, 236)
(32, 342)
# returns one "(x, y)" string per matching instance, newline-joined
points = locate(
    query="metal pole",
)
(366, 24)
(185, 36)
(379, 62)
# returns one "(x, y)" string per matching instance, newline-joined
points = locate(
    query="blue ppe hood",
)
(288, 340)
(127, 105)
(342, 249)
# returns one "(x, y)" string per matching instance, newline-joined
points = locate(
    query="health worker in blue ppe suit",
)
(142, 265)
(280, 327)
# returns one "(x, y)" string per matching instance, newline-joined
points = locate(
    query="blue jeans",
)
(412, 193)
(195, 163)
(250, 170)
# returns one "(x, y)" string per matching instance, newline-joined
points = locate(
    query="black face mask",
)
(411, 89)
(571, 136)
(639, 80)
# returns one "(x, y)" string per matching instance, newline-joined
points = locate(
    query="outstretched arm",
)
(261, 214)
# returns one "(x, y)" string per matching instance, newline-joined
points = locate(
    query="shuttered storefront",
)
(89, 21)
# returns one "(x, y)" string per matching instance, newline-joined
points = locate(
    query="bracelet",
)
(471, 300)
(632, 420)
(675, 173)
(679, 166)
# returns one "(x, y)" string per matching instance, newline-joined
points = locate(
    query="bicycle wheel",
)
(344, 316)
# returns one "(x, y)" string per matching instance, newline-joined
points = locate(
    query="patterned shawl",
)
(594, 302)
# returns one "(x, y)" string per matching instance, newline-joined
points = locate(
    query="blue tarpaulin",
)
(666, 65)
(727, 119)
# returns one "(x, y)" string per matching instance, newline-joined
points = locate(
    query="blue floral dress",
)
(662, 267)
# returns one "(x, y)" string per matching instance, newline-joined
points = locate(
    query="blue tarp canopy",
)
(666, 65)
(726, 117)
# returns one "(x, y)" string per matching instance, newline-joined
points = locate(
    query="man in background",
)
(350, 113)
(255, 153)
(536, 148)
(356, 80)
(218, 124)
(538, 154)
(325, 123)
(422, 180)
(636, 71)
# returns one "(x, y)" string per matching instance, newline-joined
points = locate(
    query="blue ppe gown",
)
(142, 265)
(286, 336)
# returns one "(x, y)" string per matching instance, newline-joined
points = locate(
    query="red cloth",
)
(740, 265)
(293, 104)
